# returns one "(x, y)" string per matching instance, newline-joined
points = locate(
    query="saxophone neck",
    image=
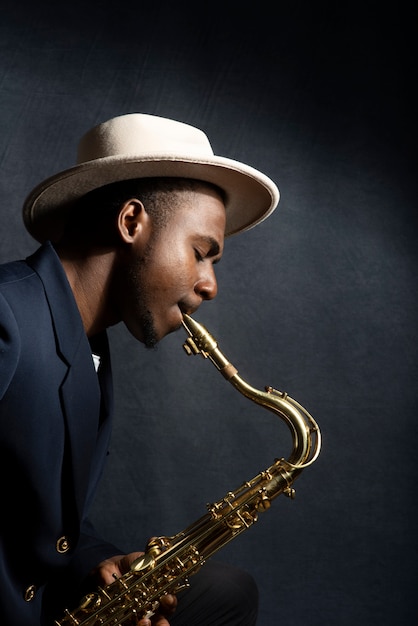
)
(304, 429)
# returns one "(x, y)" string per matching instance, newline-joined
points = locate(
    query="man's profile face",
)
(176, 272)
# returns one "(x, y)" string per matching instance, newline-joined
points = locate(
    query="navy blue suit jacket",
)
(55, 423)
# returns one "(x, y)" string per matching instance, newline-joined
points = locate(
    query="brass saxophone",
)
(168, 562)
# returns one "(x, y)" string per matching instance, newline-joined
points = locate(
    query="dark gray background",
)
(320, 300)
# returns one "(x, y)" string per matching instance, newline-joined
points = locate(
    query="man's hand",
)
(109, 570)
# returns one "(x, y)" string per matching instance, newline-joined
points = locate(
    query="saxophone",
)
(168, 562)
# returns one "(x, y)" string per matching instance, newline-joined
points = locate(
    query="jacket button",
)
(62, 545)
(29, 593)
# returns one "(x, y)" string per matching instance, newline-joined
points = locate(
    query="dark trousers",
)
(219, 595)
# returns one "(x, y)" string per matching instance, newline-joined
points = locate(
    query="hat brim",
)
(250, 195)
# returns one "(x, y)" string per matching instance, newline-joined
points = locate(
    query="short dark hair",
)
(101, 206)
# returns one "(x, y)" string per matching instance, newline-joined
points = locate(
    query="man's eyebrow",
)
(215, 248)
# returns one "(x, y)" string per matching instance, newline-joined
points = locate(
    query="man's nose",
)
(207, 285)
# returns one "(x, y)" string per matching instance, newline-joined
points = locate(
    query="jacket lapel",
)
(80, 390)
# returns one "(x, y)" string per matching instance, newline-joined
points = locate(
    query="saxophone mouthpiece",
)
(192, 327)
(200, 340)
(188, 322)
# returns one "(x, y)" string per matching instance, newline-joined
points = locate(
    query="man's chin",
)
(149, 335)
(152, 333)
(157, 338)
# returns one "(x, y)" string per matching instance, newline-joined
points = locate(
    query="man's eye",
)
(198, 255)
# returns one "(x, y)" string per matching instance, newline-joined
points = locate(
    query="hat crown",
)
(145, 136)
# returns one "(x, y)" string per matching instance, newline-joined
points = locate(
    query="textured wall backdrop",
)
(320, 300)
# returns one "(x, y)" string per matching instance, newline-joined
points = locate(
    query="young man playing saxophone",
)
(131, 234)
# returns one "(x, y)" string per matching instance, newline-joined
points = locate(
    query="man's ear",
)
(133, 220)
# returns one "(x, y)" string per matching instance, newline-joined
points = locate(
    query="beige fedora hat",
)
(139, 145)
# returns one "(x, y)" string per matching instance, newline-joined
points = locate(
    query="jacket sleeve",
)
(91, 550)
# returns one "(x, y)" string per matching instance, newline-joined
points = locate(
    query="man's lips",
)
(189, 308)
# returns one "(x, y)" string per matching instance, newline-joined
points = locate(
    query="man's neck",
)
(89, 276)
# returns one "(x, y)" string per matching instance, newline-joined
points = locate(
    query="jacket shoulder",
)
(15, 278)
(9, 344)
(14, 271)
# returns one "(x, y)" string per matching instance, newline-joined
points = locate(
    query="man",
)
(130, 234)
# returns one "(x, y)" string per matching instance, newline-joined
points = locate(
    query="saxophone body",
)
(168, 562)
